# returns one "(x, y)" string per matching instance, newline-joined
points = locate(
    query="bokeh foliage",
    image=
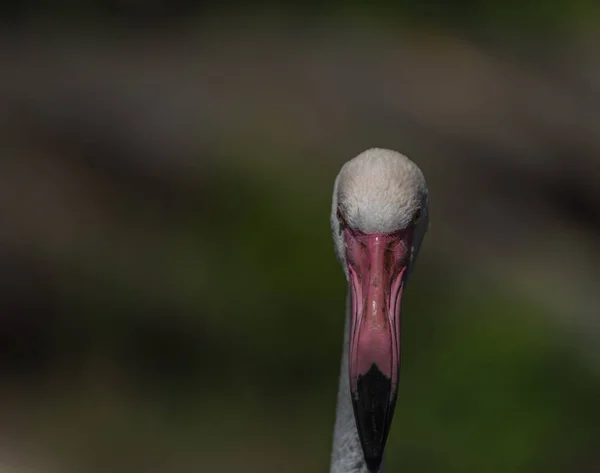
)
(239, 352)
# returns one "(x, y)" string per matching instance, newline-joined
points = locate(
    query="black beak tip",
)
(373, 464)
(373, 403)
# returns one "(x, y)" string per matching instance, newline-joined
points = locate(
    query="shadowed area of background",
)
(169, 296)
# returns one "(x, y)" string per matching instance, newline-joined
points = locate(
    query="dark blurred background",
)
(169, 296)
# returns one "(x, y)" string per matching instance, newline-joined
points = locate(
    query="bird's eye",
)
(416, 217)
(341, 220)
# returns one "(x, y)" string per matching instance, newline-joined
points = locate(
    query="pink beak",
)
(377, 265)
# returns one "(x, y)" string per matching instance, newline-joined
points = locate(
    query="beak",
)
(377, 265)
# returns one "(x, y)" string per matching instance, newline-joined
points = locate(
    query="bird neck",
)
(347, 455)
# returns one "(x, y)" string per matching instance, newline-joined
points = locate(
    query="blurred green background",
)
(169, 296)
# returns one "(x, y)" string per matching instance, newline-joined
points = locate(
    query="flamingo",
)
(379, 218)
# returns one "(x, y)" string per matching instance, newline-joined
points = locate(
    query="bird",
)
(379, 218)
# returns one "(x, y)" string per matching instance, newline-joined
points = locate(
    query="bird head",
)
(379, 218)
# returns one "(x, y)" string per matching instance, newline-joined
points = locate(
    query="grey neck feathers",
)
(347, 456)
